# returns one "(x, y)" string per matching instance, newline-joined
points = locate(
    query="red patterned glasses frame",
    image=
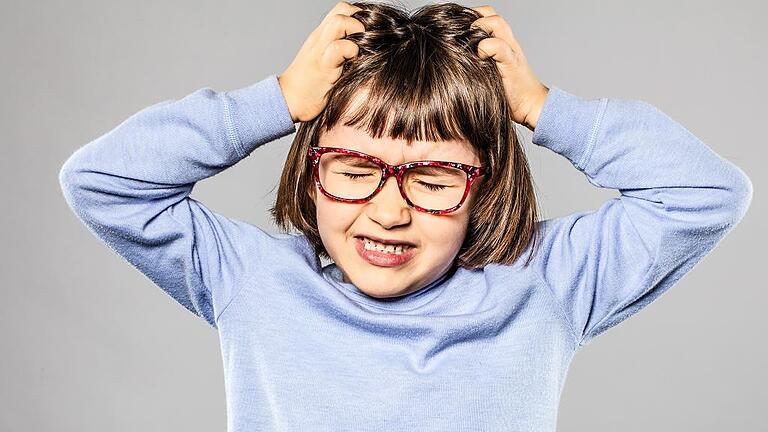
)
(397, 171)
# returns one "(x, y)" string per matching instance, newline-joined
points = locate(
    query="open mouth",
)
(382, 255)
(386, 248)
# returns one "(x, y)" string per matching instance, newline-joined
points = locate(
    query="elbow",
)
(77, 171)
(65, 177)
(68, 171)
(742, 197)
(734, 199)
(720, 207)
(72, 185)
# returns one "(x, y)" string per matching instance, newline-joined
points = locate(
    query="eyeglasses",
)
(436, 187)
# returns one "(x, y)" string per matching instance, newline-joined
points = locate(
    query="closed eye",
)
(433, 187)
(355, 176)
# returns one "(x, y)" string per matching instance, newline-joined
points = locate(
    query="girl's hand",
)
(318, 64)
(524, 92)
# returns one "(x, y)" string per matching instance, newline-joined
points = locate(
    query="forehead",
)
(392, 151)
(398, 151)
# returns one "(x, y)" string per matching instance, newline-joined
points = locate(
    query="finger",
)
(338, 51)
(484, 10)
(498, 49)
(338, 27)
(496, 26)
(341, 8)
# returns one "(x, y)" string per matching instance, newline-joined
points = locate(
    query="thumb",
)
(337, 52)
(498, 49)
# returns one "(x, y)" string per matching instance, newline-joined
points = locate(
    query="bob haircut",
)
(426, 82)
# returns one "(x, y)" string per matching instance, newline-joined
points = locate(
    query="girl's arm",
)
(131, 188)
(678, 200)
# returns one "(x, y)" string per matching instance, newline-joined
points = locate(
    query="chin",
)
(382, 295)
(376, 291)
(381, 291)
(386, 292)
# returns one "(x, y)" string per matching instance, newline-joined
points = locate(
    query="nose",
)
(388, 208)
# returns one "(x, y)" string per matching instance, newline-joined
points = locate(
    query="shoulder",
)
(264, 248)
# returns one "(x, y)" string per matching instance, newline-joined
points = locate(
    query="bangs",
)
(417, 92)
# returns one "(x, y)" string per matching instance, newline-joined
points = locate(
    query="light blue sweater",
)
(481, 350)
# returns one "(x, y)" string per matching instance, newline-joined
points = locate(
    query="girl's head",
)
(416, 91)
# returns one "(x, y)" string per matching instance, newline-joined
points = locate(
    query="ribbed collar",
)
(403, 303)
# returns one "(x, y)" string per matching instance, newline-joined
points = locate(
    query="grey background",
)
(90, 344)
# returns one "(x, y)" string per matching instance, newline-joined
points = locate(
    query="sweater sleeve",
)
(131, 188)
(678, 199)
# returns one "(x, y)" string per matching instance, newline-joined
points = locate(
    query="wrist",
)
(532, 116)
(287, 96)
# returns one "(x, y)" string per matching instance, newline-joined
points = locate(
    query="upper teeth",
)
(372, 245)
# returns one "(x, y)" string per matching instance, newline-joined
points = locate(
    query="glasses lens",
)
(435, 187)
(347, 176)
(353, 177)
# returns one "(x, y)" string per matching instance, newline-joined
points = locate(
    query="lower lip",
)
(382, 259)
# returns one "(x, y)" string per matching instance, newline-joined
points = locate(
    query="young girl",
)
(448, 305)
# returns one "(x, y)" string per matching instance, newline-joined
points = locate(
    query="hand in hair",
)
(319, 63)
(525, 93)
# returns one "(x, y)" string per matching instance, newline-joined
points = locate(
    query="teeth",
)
(372, 245)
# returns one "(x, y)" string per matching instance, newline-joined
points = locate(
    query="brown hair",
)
(425, 81)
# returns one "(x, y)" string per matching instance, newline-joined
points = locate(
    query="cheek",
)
(334, 218)
(443, 234)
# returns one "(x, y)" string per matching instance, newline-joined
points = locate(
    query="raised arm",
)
(131, 188)
(678, 200)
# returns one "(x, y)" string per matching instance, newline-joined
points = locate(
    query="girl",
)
(448, 305)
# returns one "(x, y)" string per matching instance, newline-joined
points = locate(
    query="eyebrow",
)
(431, 170)
(354, 161)
(424, 170)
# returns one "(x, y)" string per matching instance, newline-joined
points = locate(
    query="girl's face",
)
(437, 238)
